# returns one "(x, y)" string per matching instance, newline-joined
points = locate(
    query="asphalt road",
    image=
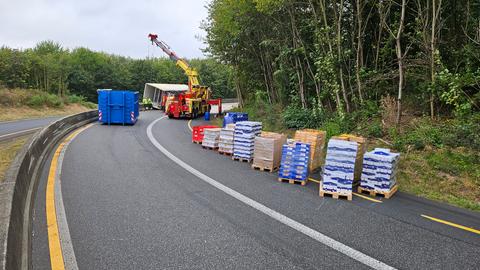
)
(128, 206)
(10, 129)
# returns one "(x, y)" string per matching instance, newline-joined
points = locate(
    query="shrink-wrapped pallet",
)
(316, 139)
(379, 170)
(211, 137)
(225, 144)
(338, 174)
(244, 139)
(361, 149)
(267, 152)
(295, 160)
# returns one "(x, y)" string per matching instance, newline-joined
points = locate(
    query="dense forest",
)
(315, 57)
(51, 68)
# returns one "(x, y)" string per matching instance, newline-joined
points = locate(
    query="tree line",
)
(341, 55)
(51, 68)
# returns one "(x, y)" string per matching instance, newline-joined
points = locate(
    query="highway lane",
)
(12, 128)
(128, 206)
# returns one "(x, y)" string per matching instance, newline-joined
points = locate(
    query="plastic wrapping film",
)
(338, 174)
(211, 137)
(295, 161)
(268, 150)
(225, 143)
(316, 139)
(380, 170)
(362, 148)
(244, 138)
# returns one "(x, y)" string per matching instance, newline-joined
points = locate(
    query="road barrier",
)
(17, 192)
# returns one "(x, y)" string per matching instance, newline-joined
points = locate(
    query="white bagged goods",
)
(379, 170)
(244, 138)
(339, 169)
(210, 137)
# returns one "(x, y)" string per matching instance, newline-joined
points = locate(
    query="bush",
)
(75, 99)
(45, 99)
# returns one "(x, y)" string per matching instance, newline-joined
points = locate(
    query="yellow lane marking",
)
(314, 180)
(56, 256)
(366, 197)
(190, 125)
(452, 224)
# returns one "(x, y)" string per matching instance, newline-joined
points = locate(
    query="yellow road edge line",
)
(366, 197)
(314, 180)
(452, 224)
(56, 256)
(190, 125)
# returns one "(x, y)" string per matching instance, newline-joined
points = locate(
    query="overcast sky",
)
(116, 26)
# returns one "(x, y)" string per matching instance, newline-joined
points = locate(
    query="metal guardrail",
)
(18, 189)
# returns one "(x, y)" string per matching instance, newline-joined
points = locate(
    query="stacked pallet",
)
(267, 152)
(379, 172)
(225, 144)
(294, 164)
(362, 148)
(211, 137)
(244, 139)
(316, 139)
(338, 175)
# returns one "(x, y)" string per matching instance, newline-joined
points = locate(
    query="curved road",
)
(13, 129)
(129, 206)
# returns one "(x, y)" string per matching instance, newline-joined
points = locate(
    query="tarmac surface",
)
(129, 206)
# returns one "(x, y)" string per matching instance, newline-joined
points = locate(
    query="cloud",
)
(118, 27)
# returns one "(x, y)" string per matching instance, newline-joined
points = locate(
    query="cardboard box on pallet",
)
(225, 143)
(267, 152)
(210, 137)
(362, 148)
(316, 139)
(379, 170)
(338, 175)
(295, 161)
(244, 138)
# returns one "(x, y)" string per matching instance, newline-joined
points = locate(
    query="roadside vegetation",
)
(405, 74)
(8, 151)
(29, 103)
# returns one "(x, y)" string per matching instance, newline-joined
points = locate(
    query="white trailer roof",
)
(169, 87)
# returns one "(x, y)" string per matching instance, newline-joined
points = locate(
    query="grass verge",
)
(16, 104)
(8, 150)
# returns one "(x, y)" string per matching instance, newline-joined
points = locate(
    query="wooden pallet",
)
(264, 169)
(196, 142)
(242, 159)
(334, 195)
(225, 153)
(210, 148)
(374, 193)
(293, 181)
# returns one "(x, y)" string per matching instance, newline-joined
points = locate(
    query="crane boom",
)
(191, 73)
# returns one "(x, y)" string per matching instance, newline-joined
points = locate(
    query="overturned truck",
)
(158, 93)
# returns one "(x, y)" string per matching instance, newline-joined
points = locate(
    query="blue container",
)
(117, 106)
(207, 116)
(234, 117)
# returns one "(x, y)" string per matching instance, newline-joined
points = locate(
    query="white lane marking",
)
(332, 243)
(19, 132)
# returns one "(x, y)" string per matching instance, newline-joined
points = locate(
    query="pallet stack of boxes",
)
(267, 152)
(362, 148)
(244, 139)
(211, 137)
(225, 143)
(295, 162)
(379, 172)
(339, 169)
(343, 165)
(316, 139)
